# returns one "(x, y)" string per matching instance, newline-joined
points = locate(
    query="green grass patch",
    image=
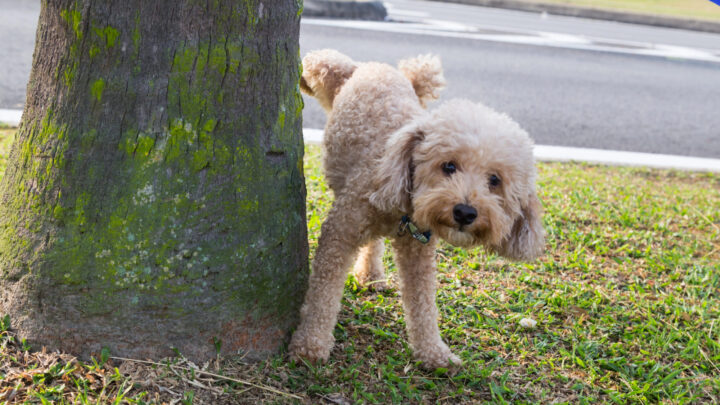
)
(6, 137)
(627, 300)
(693, 9)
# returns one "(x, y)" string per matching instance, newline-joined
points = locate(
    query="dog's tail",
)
(324, 73)
(426, 75)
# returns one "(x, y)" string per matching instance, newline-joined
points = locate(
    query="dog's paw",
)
(307, 349)
(438, 356)
(310, 355)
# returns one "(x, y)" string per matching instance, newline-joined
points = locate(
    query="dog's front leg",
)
(416, 267)
(338, 244)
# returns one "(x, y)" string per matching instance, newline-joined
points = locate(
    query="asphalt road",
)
(18, 20)
(561, 95)
(525, 21)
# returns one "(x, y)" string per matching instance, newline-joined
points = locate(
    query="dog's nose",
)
(464, 214)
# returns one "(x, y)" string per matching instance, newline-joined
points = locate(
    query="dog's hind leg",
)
(416, 267)
(369, 269)
(336, 250)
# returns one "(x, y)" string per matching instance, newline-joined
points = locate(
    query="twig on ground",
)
(222, 377)
(703, 216)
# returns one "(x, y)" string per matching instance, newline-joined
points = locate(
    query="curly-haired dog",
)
(462, 172)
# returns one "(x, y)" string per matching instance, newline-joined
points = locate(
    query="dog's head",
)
(467, 173)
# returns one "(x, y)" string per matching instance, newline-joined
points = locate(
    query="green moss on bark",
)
(97, 89)
(73, 18)
(108, 35)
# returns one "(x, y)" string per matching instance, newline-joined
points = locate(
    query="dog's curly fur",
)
(385, 157)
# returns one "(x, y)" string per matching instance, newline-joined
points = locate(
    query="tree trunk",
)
(154, 197)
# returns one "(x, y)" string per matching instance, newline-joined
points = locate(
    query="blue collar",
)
(406, 225)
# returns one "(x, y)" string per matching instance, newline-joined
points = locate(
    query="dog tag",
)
(406, 225)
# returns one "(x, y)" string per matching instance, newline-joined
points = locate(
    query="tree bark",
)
(154, 197)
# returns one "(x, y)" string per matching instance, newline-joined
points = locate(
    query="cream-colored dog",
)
(463, 173)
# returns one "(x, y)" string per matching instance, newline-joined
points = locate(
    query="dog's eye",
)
(494, 181)
(449, 168)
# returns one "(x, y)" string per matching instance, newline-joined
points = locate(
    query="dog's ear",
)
(527, 238)
(393, 183)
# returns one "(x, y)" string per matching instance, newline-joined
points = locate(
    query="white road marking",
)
(565, 38)
(402, 12)
(544, 153)
(449, 29)
(313, 136)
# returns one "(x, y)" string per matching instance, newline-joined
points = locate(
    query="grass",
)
(693, 9)
(627, 301)
(6, 137)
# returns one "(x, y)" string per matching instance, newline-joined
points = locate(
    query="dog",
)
(462, 172)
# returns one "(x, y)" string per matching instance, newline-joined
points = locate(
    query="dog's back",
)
(365, 103)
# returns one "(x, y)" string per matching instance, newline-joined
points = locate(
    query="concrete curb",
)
(345, 9)
(10, 117)
(597, 14)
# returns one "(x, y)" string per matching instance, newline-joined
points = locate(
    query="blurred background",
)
(634, 75)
